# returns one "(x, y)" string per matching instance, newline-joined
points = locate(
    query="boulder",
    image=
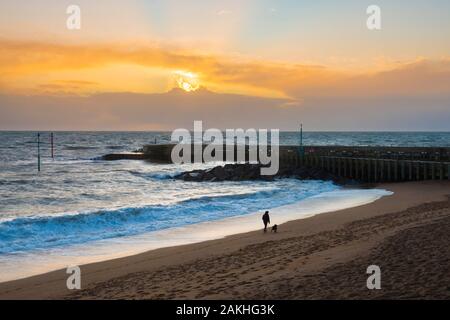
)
(246, 171)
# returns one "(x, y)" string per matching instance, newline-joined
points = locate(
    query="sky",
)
(252, 63)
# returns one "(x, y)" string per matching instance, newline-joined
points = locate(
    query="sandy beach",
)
(322, 257)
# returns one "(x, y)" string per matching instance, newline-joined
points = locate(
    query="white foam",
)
(20, 266)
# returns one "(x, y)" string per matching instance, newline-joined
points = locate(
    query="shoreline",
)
(118, 272)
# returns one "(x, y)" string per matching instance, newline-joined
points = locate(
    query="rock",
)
(242, 172)
(219, 173)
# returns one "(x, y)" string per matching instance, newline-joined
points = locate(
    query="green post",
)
(39, 151)
(301, 151)
(51, 142)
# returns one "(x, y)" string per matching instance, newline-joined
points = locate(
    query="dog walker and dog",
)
(266, 221)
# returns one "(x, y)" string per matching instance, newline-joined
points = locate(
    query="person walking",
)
(266, 220)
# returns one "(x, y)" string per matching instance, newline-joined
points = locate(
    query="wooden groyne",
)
(368, 164)
(373, 169)
(373, 164)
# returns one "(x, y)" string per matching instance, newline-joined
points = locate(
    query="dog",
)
(275, 228)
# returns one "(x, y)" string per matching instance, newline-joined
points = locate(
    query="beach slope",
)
(323, 257)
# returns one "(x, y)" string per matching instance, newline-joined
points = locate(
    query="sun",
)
(187, 81)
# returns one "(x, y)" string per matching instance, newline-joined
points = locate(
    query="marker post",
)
(39, 151)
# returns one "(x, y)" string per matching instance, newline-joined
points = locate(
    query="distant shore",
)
(325, 256)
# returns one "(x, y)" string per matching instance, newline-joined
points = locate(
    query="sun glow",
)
(187, 81)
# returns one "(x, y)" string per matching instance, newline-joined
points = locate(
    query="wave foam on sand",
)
(19, 266)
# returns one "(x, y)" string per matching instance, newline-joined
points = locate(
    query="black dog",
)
(275, 228)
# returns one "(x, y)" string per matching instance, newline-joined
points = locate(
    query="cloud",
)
(77, 82)
(33, 59)
(127, 111)
(224, 12)
(38, 58)
(176, 109)
(65, 87)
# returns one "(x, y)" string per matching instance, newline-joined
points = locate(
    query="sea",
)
(80, 209)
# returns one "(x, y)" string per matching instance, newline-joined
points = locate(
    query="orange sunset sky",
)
(254, 63)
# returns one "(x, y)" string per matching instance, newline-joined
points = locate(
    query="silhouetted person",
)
(266, 220)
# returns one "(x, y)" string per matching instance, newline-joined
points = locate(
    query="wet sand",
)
(322, 257)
